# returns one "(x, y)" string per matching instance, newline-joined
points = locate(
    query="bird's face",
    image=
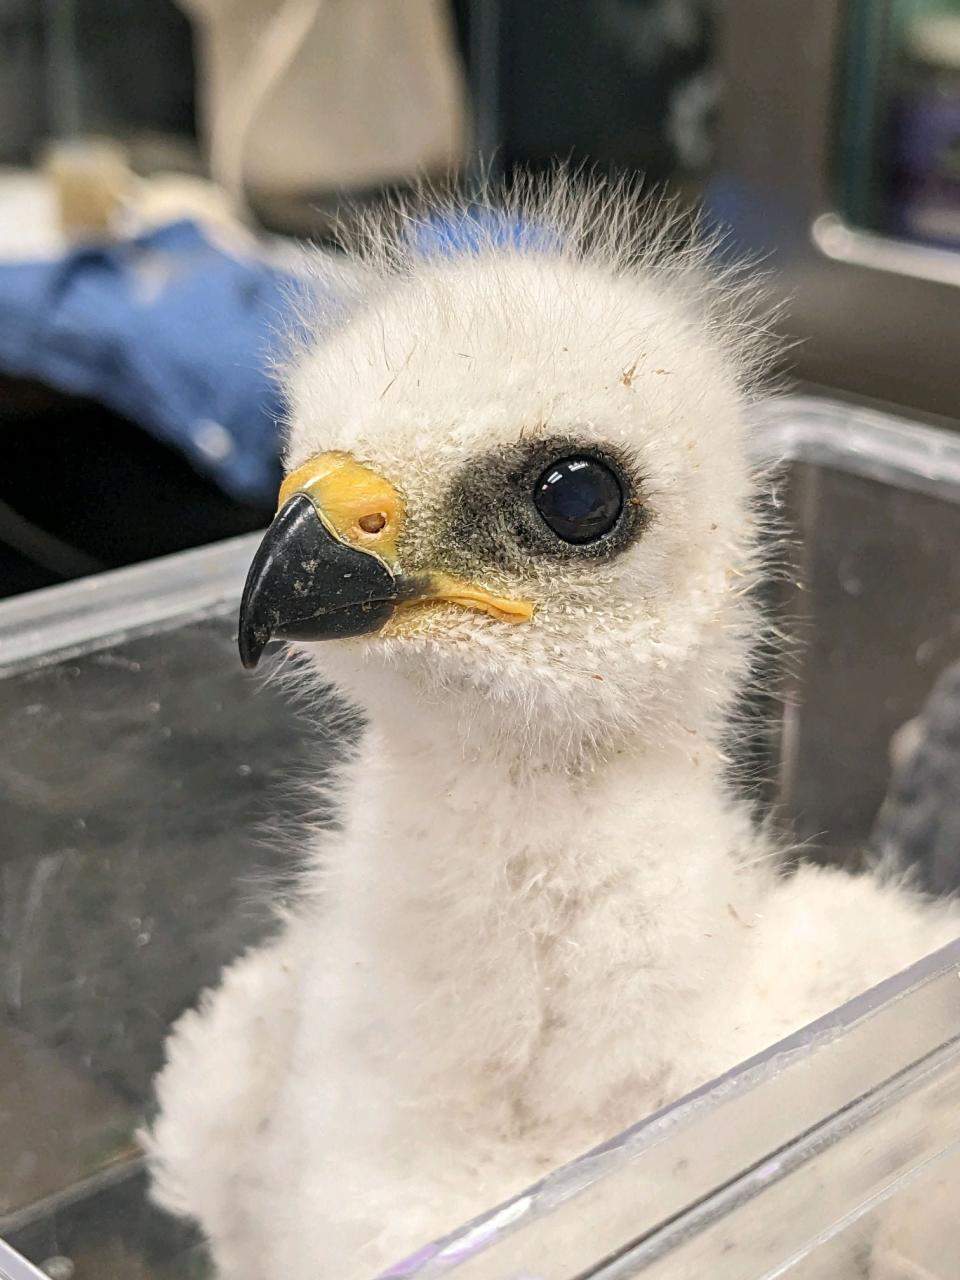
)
(519, 483)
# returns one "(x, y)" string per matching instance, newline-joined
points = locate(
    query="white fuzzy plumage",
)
(544, 914)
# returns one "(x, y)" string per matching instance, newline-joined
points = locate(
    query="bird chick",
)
(518, 534)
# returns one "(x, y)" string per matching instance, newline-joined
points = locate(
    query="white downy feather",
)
(545, 913)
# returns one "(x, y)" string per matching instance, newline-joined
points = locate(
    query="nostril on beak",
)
(376, 522)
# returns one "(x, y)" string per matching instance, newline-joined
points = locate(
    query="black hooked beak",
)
(304, 584)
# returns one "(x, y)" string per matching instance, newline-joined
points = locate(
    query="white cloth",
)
(318, 95)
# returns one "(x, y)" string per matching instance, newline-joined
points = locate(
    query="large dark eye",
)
(579, 498)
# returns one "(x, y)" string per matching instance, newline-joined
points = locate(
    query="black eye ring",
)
(579, 498)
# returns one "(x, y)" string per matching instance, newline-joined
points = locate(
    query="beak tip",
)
(251, 645)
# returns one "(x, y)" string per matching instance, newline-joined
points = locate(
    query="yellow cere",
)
(354, 502)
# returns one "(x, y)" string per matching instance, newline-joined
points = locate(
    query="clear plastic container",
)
(141, 769)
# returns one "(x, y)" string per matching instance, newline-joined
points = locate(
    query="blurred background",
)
(162, 163)
(162, 159)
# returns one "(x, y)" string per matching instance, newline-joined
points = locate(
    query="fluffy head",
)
(571, 323)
